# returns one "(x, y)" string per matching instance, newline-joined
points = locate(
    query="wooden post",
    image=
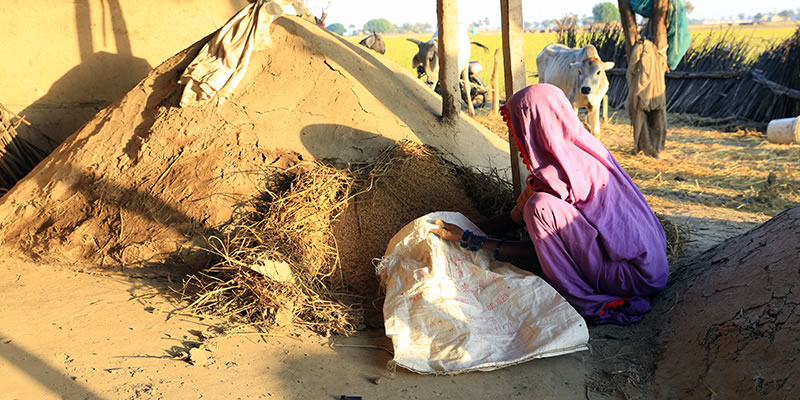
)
(447, 14)
(495, 84)
(628, 26)
(660, 23)
(514, 67)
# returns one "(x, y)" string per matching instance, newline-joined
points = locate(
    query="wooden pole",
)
(447, 14)
(514, 68)
(495, 84)
(660, 23)
(628, 26)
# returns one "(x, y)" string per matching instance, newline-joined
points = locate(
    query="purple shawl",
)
(566, 161)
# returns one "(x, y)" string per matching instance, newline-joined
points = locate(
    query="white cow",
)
(580, 74)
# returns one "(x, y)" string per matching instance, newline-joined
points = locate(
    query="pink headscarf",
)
(568, 162)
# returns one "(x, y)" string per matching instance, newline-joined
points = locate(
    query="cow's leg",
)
(594, 120)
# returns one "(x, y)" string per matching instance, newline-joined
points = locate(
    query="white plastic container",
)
(784, 131)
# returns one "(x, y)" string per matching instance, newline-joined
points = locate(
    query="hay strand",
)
(678, 236)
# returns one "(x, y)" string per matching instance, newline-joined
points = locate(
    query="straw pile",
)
(301, 253)
(277, 263)
(409, 181)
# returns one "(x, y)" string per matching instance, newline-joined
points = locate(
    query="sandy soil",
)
(89, 334)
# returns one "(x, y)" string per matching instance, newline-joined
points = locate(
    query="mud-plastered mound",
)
(730, 319)
(146, 181)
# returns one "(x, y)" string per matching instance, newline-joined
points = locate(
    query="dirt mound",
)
(731, 322)
(146, 180)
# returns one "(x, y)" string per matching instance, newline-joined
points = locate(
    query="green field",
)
(400, 50)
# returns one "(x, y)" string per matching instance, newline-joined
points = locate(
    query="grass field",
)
(400, 50)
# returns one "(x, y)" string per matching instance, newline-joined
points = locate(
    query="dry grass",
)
(678, 236)
(17, 155)
(294, 222)
(291, 223)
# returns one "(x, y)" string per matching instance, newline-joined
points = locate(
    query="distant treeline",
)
(381, 25)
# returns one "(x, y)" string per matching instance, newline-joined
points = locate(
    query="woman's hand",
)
(447, 231)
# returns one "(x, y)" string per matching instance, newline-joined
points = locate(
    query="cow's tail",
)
(481, 46)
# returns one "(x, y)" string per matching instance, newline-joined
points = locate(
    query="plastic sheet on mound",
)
(449, 310)
(222, 62)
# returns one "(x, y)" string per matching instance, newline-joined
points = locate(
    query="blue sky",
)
(358, 12)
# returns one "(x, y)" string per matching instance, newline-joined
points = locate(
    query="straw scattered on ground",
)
(288, 225)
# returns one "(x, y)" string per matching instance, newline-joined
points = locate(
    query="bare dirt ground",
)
(88, 334)
(92, 333)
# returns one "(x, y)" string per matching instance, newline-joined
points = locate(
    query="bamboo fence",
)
(718, 77)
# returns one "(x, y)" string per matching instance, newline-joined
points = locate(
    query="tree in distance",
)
(337, 28)
(605, 12)
(380, 25)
